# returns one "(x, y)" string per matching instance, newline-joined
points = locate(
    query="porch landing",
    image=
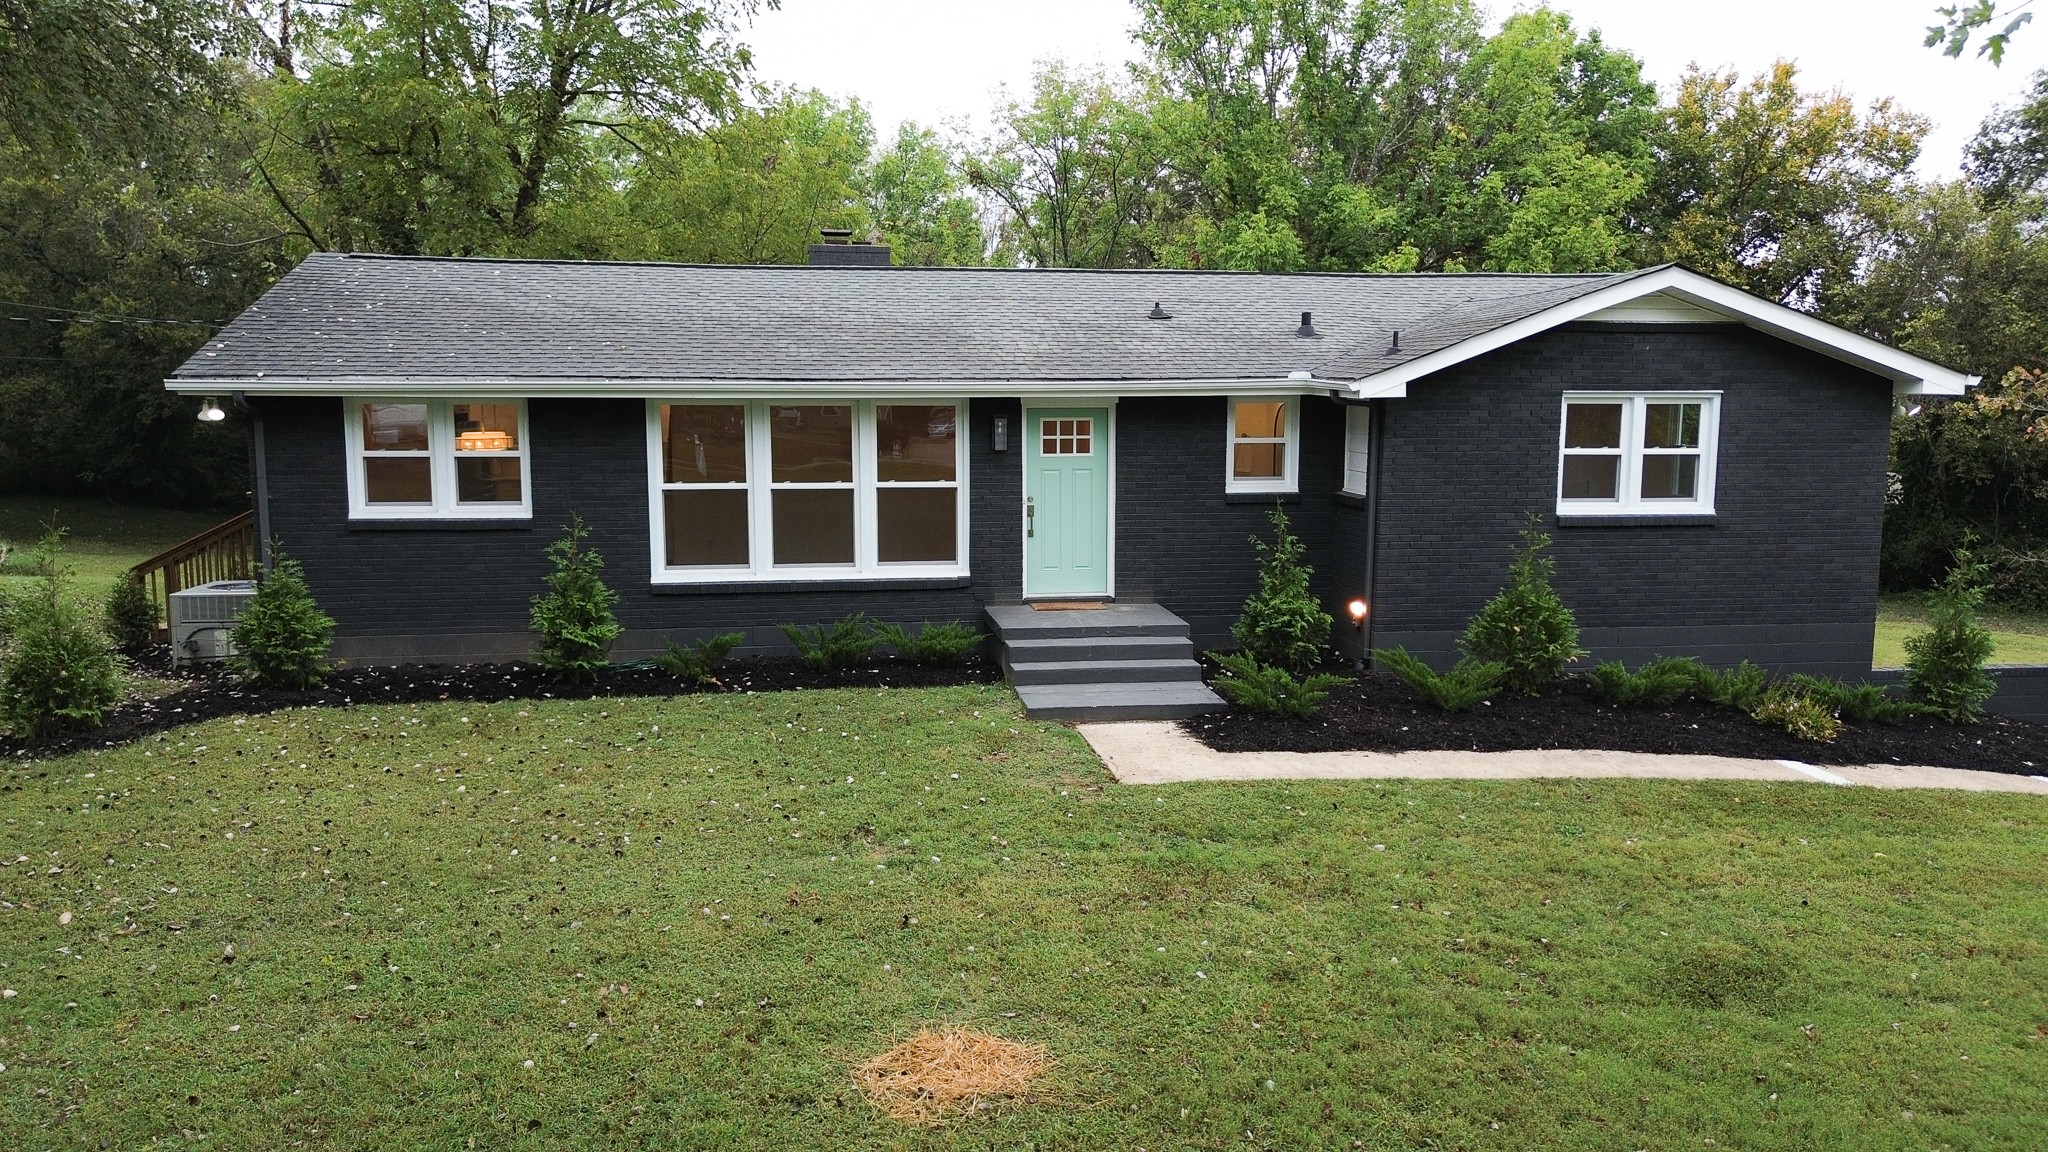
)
(1115, 662)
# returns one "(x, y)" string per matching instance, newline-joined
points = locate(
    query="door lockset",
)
(1030, 517)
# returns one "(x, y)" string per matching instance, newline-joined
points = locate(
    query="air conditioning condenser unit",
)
(203, 620)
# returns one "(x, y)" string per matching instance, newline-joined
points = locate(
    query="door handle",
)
(1030, 518)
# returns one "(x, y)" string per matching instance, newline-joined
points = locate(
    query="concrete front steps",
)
(1116, 662)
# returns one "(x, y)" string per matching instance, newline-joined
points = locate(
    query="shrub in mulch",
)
(210, 691)
(1381, 714)
(946, 1072)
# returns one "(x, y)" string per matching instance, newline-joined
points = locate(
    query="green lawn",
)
(2019, 637)
(691, 915)
(104, 539)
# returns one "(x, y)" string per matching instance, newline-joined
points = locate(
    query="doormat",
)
(1068, 605)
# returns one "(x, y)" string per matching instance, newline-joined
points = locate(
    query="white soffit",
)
(1661, 308)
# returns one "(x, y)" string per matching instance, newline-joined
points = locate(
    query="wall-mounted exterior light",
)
(210, 411)
(999, 439)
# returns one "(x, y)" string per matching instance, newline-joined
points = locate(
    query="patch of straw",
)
(949, 1071)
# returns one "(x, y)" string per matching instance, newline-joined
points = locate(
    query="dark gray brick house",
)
(755, 445)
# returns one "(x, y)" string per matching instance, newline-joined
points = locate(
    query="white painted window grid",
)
(441, 452)
(760, 489)
(1631, 453)
(1289, 440)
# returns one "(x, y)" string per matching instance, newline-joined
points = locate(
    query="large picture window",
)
(772, 490)
(455, 459)
(1263, 439)
(1641, 454)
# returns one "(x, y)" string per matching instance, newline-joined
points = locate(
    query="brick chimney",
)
(839, 250)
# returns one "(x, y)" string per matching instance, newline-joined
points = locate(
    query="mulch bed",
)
(1380, 714)
(204, 692)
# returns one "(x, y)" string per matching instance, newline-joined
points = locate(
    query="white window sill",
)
(1634, 517)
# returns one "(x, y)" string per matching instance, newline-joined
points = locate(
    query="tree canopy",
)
(161, 164)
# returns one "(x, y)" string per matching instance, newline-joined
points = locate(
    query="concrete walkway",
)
(1159, 752)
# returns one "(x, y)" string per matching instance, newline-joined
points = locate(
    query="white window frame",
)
(761, 490)
(442, 455)
(1291, 467)
(1629, 499)
(1357, 449)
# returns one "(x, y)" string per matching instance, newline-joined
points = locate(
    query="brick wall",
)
(427, 591)
(1180, 540)
(1786, 574)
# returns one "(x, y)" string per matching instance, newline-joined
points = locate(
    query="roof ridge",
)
(958, 269)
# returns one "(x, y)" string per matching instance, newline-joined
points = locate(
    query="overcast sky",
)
(937, 61)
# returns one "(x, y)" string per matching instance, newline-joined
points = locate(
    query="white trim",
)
(1289, 440)
(441, 456)
(761, 489)
(1024, 409)
(1630, 453)
(1357, 449)
(1910, 375)
(1660, 308)
(1076, 392)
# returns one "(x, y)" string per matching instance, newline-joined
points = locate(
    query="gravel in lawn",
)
(1380, 714)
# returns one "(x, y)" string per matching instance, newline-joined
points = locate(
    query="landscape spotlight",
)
(1358, 610)
(210, 411)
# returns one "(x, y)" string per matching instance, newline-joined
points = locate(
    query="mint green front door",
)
(1066, 501)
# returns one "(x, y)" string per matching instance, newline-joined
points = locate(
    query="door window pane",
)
(486, 479)
(914, 442)
(1066, 437)
(704, 444)
(1671, 426)
(811, 444)
(1259, 461)
(486, 428)
(1672, 477)
(1592, 426)
(398, 479)
(1592, 477)
(916, 524)
(706, 526)
(1261, 418)
(395, 427)
(813, 526)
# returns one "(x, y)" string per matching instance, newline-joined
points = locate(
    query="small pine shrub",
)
(1654, 685)
(1271, 689)
(830, 647)
(574, 618)
(945, 643)
(1283, 624)
(1467, 683)
(1741, 687)
(695, 662)
(58, 675)
(1526, 629)
(1855, 703)
(131, 614)
(1945, 664)
(282, 637)
(1786, 706)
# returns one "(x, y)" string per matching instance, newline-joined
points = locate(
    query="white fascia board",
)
(1910, 375)
(442, 386)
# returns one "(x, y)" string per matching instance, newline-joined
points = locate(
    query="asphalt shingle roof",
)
(419, 319)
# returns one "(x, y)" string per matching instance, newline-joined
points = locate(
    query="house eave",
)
(1910, 375)
(537, 387)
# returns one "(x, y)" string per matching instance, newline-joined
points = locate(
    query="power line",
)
(81, 316)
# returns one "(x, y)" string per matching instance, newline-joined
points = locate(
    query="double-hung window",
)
(769, 490)
(1641, 454)
(457, 459)
(1262, 441)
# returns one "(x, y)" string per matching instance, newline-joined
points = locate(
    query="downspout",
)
(259, 478)
(1373, 437)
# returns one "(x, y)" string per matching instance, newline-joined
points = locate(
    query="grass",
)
(104, 539)
(2018, 637)
(694, 916)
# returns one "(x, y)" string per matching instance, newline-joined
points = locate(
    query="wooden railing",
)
(223, 552)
